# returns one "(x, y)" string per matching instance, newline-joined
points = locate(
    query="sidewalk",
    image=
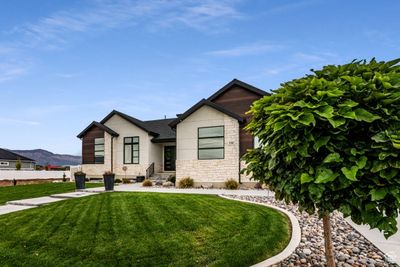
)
(391, 246)
(23, 204)
(139, 188)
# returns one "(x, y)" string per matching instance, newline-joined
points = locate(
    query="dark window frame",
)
(199, 138)
(99, 150)
(131, 144)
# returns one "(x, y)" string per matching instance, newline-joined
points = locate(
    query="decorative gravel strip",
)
(351, 248)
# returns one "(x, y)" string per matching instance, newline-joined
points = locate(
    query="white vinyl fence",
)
(33, 175)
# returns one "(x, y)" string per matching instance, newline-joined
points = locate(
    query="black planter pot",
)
(109, 181)
(140, 179)
(80, 181)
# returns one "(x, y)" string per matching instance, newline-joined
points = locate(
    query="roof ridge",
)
(245, 85)
(198, 105)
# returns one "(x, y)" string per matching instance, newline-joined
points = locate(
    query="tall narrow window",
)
(99, 150)
(211, 142)
(131, 150)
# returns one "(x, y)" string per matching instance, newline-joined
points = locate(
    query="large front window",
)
(211, 142)
(131, 150)
(99, 150)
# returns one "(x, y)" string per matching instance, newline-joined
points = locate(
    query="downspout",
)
(112, 153)
(240, 144)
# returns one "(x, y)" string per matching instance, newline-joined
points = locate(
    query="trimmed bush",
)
(231, 184)
(186, 182)
(126, 181)
(147, 182)
(258, 186)
(171, 178)
(118, 180)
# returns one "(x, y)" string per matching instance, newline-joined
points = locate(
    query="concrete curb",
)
(294, 242)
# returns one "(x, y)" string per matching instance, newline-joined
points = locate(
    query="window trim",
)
(138, 150)
(198, 142)
(94, 149)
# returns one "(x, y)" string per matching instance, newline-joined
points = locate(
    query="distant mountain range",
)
(44, 157)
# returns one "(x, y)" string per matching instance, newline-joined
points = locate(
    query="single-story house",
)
(8, 161)
(206, 142)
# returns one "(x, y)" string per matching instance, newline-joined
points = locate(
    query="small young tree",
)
(18, 165)
(331, 141)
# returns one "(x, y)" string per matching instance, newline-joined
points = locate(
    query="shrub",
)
(171, 178)
(258, 186)
(147, 182)
(231, 184)
(118, 180)
(186, 182)
(126, 181)
(18, 165)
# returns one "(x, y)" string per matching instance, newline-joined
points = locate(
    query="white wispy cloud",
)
(246, 50)
(67, 75)
(12, 70)
(290, 6)
(54, 30)
(12, 121)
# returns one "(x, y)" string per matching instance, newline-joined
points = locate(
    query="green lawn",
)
(143, 229)
(8, 193)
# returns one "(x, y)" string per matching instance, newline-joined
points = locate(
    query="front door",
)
(169, 158)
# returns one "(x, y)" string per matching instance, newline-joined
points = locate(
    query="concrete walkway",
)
(139, 188)
(391, 246)
(23, 204)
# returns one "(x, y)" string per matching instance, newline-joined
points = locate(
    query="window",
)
(131, 150)
(211, 142)
(99, 150)
(4, 163)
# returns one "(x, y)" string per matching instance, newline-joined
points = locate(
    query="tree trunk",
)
(329, 253)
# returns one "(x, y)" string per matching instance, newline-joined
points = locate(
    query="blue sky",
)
(66, 63)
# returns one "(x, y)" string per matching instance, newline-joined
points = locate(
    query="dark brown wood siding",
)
(239, 100)
(88, 144)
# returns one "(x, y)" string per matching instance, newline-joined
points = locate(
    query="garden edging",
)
(294, 241)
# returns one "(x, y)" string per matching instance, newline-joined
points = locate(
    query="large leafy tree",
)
(331, 141)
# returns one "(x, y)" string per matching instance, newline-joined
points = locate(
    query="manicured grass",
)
(8, 193)
(143, 229)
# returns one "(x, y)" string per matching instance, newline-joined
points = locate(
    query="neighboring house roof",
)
(8, 155)
(166, 133)
(204, 102)
(136, 122)
(238, 83)
(99, 125)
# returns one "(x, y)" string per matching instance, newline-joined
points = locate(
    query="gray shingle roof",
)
(166, 134)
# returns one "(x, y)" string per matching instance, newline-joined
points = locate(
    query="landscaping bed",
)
(352, 249)
(143, 229)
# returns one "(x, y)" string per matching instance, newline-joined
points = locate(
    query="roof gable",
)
(236, 82)
(134, 121)
(101, 126)
(204, 102)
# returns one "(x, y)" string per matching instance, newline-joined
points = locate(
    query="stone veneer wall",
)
(207, 171)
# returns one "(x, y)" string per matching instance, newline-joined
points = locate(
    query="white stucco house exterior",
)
(206, 142)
